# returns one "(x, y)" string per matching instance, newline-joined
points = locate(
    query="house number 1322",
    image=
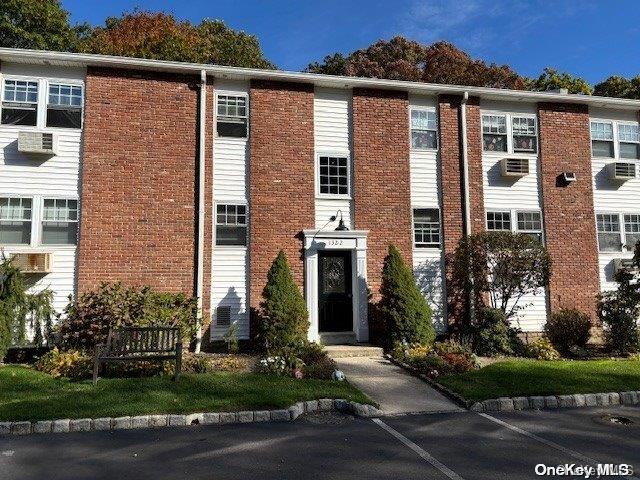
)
(335, 242)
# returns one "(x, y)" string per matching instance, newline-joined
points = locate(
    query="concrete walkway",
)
(393, 388)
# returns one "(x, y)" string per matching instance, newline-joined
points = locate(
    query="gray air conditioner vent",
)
(515, 167)
(223, 316)
(36, 142)
(622, 171)
(620, 264)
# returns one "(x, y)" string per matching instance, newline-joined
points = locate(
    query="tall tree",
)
(161, 36)
(551, 79)
(616, 86)
(37, 24)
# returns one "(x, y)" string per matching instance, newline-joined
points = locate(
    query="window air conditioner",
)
(36, 142)
(620, 264)
(622, 171)
(515, 167)
(32, 262)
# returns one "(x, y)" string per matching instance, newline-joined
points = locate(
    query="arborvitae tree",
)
(403, 306)
(284, 320)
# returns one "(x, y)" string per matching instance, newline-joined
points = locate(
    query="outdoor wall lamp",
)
(341, 226)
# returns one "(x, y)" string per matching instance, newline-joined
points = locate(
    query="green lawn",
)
(26, 394)
(532, 377)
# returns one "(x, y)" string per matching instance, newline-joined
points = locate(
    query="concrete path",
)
(394, 389)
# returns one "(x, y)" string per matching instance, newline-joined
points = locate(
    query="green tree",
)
(616, 86)
(283, 320)
(37, 24)
(551, 79)
(403, 307)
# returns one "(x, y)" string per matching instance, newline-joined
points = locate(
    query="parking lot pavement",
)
(455, 446)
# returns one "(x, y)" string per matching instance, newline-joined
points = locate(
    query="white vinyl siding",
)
(332, 138)
(38, 178)
(428, 263)
(229, 263)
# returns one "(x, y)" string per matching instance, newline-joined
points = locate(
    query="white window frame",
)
(231, 93)
(513, 220)
(42, 221)
(43, 99)
(64, 83)
(31, 220)
(509, 116)
(615, 124)
(411, 129)
(413, 228)
(235, 203)
(36, 103)
(624, 247)
(336, 154)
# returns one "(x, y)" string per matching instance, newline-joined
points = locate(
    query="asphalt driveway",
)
(439, 446)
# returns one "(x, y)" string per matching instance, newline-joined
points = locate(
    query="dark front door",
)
(334, 292)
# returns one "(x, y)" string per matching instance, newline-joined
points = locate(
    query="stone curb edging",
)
(170, 420)
(538, 402)
(455, 397)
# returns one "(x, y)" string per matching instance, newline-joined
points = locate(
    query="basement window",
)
(64, 106)
(426, 227)
(15, 221)
(602, 139)
(609, 239)
(20, 102)
(232, 116)
(59, 221)
(231, 224)
(424, 129)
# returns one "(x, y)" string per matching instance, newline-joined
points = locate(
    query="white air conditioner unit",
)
(620, 264)
(622, 171)
(32, 262)
(514, 167)
(37, 142)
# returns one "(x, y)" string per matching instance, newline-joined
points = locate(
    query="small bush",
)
(196, 363)
(568, 329)
(494, 335)
(403, 306)
(283, 320)
(92, 314)
(444, 358)
(274, 365)
(321, 369)
(542, 349)
(71, 364)
(619, 315)
(432, 365)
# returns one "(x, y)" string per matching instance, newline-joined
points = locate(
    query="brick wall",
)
(281, 172)
(474, 159)
(382, 200)
(569, 219)
(138, 180)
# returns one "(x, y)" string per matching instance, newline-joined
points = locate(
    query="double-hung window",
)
(426, 227)
(602, 139)
(59, 221)
(232, 116)
(499, 221)
(231, 224)
(527, 222)
(609, 235)
(494, 133)
(15, 220)
(530, 223)
(513, 133)
(424, 129)
(333, 178)
(631, 230)
(525, 134)
(629, 140)
(19, 102)
(64, 106)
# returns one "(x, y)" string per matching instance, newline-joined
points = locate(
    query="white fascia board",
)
(333, 81)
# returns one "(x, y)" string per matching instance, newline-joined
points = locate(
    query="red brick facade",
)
(382, 199)
(474, 159)
(138, 180)
(281, 173)
(569, 220)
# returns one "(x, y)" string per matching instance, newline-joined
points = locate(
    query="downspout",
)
(202, 123)
(467, 196)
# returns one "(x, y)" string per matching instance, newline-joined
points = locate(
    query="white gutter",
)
(335, 81)
(465, 164)
(202, 123)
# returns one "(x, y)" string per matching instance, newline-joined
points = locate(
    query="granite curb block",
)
(578, 400)
(171, 420)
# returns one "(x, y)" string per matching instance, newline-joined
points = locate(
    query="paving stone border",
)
(171, 420)
(578, 400)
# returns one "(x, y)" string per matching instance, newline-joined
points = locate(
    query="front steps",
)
(350, 351)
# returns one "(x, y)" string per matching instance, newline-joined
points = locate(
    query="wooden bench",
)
(136, 344)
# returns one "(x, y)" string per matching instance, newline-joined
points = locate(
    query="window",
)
(15, 221)
(629, 140)
(59, 221)
(232, 116)
(499, 221)
(334, 175)
(231, 225)
(494, 133)
(424, 129)
(64, 106)
(609, 232)
(530, 223)
(602, 139)
(20, 103)
(426, 227)
(631, 231)
(524, 134)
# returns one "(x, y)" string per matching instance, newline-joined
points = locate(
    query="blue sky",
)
(592, 39)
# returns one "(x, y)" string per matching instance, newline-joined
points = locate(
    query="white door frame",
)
(354, 241)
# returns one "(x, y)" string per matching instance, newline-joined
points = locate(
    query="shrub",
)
(321, 369)
(89, 318)
(619, 315)
(196, 363)
(283, 320)
(542, 349)
(493, 335)
(273, 365)
(71, 364)
(403, 306)
(432, 365)
(568, 329)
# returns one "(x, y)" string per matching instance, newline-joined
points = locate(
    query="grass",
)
(26, 394)
(534, 377)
